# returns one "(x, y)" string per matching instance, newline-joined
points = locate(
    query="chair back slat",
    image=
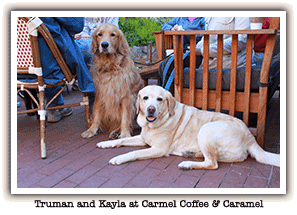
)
(178, 65)
(168, 44)
(205, 72)
(192, 69)
(233, 73)
(248, 75)
(219, 73)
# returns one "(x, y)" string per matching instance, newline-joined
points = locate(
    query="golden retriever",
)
(117, 83)
(170, 127)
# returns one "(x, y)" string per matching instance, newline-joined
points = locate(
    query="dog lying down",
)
(170, 127)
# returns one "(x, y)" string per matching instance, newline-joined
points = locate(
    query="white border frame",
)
(15, 190)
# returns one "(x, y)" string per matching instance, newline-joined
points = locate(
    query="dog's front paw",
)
(119, 159)
(107, 144)
(88, 133)
(186, 165)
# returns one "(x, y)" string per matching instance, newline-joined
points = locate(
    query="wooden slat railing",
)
(247, 101)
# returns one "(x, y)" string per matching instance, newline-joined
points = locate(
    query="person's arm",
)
(201, 26)
(169, 25)
(73, 25)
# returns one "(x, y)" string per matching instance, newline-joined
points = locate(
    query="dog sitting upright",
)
(117, 82)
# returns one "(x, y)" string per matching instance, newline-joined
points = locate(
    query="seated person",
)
(62, 29)
(185, 24)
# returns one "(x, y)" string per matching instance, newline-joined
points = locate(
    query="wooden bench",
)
(247, 101)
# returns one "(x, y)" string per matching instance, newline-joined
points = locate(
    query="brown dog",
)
(117, 83)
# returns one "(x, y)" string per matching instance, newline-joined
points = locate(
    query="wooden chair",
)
(232, 100)
(29, 63)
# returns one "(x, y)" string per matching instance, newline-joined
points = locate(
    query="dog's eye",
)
(145, 98)
(159, 99)
(112, 35)
(100, 34)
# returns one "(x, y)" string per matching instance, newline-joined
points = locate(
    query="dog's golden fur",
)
(116, 80)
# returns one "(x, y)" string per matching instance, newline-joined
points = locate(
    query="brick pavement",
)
(74, 162)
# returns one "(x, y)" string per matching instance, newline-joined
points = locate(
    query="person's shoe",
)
(57, 115)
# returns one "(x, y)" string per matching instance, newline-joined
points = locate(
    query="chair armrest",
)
(159, 38)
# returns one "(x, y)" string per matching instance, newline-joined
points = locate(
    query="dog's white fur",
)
(178, 129)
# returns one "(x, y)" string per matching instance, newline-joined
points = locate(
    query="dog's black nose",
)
(104, 45)
(151, 109)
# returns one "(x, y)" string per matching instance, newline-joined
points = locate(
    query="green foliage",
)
(139, 30)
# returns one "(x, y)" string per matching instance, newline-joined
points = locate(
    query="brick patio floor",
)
(73, 162)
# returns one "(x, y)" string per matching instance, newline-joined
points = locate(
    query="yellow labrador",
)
(170, 127)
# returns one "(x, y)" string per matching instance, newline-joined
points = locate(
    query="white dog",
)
(170, 127)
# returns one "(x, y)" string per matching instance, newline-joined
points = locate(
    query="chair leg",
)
(42, 117)
(42, 139)
(261, 127)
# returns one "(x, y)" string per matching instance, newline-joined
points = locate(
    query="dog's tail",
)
(262, 156)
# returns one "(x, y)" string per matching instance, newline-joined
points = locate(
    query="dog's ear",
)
(171, 102)
(94, 44)
(123, 46)
(137, 104)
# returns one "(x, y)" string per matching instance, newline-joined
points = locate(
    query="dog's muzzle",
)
(104, 46)
(151, 114)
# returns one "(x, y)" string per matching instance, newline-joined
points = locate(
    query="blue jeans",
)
(85, 45)
(50, 93)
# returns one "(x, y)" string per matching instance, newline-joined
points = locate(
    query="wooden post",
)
(178, 65)
(233, 74)
(219, 73)
(192, 69)
(248, 75)
(205, 72)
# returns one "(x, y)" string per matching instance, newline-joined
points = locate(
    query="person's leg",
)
(50, 93)
(85, 45)
(56, 115)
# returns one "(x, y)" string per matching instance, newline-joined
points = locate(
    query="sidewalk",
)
(74, 162)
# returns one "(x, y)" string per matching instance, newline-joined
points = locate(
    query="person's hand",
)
(81, 35)
(180, 28)
(174, 28)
